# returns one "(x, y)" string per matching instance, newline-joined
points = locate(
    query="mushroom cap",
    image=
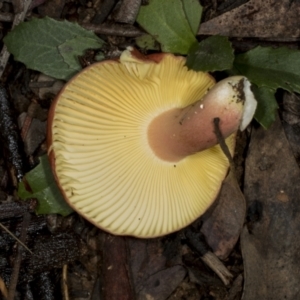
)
(99, 151)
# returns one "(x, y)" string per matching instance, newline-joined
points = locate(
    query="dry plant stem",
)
(65, 289)
(217, 266)
(19, 17)
(17, 262)
(19, 241)
(232, 174)
(222, 143)
(114, 29)
(3, 288)
(128, 11)
(197, 243)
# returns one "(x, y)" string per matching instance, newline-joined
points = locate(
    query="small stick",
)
(196, 241)
(65, 289)
(3, 288)
(18, 260)
(222, 143)
(18, 240)
(128, 11)
(114, 29)
(212, 261)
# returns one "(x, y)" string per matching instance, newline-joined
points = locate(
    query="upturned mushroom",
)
(132, 143)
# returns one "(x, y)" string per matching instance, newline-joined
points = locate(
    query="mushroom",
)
(132, 145)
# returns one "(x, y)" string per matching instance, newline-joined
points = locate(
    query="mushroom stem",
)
(180, 132)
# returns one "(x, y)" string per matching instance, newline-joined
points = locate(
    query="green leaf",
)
(167, 23)
(193, 12)
(44, 189)
(271, 68)
(71, 49)
(266, 105)
(212, 54)
(38, 43)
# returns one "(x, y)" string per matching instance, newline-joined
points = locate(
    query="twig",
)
(3, 288)
(222, 143)
(114, 29)
(196, 241)
(19, 17)
(65, 289)
(212, 261)
(128, 11)
(19, 241)
(17, 263)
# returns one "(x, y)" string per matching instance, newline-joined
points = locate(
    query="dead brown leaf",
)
(223, 223)
(272, 19)
(270, 243)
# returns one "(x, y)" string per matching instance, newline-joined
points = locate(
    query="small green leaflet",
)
(212, 54)
(193, 13)
(44, 189)
(51, 47)
(273, 68)
(147, 42)
(266, 106)
(168, 23)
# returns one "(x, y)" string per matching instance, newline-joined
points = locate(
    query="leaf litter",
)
(266, 114)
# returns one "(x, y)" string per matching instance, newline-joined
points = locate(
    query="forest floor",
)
(244, 247)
